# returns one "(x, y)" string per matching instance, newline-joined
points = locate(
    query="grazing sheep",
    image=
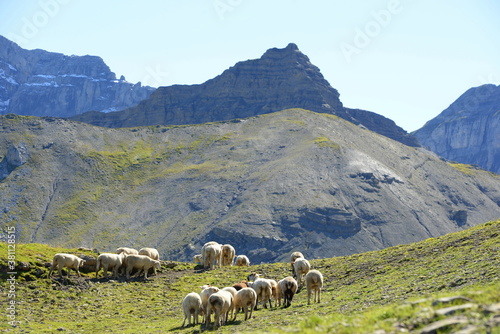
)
(206, 292)
(287, 288)
(233, 291)
(191, 306)
(203, 252)
(294, 256)
(109, 261)
(141, 262)
(240, 285)
(245, 298)
(63, 260)
(301, 267)
(262, 287)
(127, 251)
(314, 282)
(198, 258)
(212, 255)
(242, 261)
(152, 253)
(228, 254)
(219, 303)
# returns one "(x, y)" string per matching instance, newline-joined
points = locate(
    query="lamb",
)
(228, 254)
(240, 285)
(212, 254)
(141, 262)
(63, 260)
(245, 298)
(191, 306)
(314, 282)
(263, 289)
(220, 303)
(242, 261)
(198, 258)
(287, 288)
(206, 292)
(127, 251)
(301, 267)
(294, 256)
(109, 261)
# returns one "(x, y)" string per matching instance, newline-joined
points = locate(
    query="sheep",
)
(70, 261)
(233, 291)
(212, 254)
(152, 253)
(301, 267)
(108, 261)
(287, 288)
(127, 251)
(228, 254)
(242, 261)
(141, 262)
(205, 263)
(245, 298)
(206, 292)
(314, 282)
(262, 287)
(191, 306)
(294, 256)
(220, 303)
(240, 285)
(198, 258)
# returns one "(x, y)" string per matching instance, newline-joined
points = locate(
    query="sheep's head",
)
(253, 277)
(157, 264)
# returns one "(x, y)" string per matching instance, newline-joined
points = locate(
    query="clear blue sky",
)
(405, 59)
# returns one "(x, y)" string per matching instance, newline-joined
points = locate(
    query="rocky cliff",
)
(468, 131)
(267, 184)
(41, 83)
(280, 79)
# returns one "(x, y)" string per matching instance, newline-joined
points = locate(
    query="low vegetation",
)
(451, 283)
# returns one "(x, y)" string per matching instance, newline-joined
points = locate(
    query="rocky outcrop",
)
(280, 79)
(468, 131)
(41, 83)
(17, 155)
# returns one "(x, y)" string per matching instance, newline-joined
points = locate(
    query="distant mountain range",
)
(41, 83)
(280, 79)
(468, 131)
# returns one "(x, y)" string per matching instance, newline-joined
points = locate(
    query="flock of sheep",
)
(246, 294)
(211, 300)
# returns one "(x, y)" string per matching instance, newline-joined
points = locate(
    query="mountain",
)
(468, 131)
(280, 79)
(267, 184)
(41, 83)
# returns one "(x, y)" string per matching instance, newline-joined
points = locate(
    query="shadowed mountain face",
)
(280, 79)
(468, 131)
(268, 185)
(41, 83)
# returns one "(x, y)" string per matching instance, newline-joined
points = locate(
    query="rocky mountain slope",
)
(41, 83)
(468, 131)
(269, 184)
(280, 79)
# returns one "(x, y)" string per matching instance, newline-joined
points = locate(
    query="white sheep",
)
(219, 303)
(314, 282)
(205, 263)
(231, 290)
(127, 251)
(198, 258)
(287, 288)
(142, 263)
(63, 260)
(262, 287)
(212, 255)
(109, 261)
(191, 306)
(206, 292)
(228, 254)
(245, 298)
(152, 253)
(242, 261)
(301, 267)
(294, 256)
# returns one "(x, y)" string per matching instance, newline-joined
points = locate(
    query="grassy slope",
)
(392, 289)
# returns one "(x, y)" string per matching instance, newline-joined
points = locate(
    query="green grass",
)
(394, 290)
